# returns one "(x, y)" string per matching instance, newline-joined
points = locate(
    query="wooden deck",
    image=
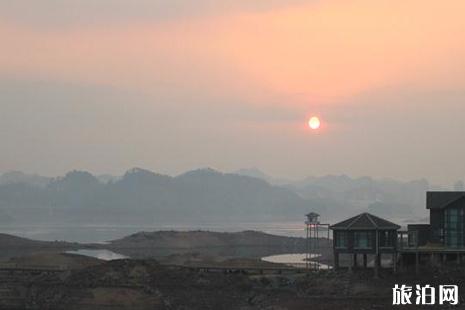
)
(427, 249)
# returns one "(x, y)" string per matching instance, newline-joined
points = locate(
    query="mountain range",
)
(144, 197)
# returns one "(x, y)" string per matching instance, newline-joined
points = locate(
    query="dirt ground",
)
(146, 284)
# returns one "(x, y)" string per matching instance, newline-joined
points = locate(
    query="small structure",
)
(365, 234)
(313, 226)
(312, 218)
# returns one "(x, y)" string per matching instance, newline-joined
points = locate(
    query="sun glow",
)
(314, 123)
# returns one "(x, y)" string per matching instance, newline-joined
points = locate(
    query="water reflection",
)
(100, 254)
(294, 260)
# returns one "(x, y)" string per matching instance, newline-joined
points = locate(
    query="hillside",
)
(210, 244)
(12, 246)
(200, 239)
(167, 245)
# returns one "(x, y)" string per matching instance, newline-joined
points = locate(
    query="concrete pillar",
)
(365, 261)
(355, 260)
(394, 262)
(459, 259)
(336, 260)
(417, 262)
(377, 265)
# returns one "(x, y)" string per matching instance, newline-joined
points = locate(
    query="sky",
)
(173, 85)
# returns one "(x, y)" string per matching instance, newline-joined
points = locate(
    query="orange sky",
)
(323, 52)
(252, 69)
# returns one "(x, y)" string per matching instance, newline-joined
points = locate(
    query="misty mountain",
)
(347, 195)
(257, 173)
(14, 177)
(254, 173)
(142, 196)
(107, 178)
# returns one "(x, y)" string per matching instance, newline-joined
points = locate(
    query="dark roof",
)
(364, 221)
(439, 200)
(312, 214)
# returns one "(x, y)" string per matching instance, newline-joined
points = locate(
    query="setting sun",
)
(314, 123)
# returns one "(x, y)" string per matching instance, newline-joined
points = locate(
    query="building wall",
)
(437, 221)
(436, 218)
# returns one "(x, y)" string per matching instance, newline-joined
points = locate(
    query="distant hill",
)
(13, 246)
(386, 197)
(15, 177)
(256, 173)
(199, 196)
(107, 178)
(201, 239)
(142, 196)
(346, 196)
(207, 243)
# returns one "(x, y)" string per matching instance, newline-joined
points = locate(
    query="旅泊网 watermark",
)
(425, 295)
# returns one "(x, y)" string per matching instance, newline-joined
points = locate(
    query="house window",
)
(362, 240)
(453, 227)
(342, 239)
(438, 234)
(413, 239)
(386, 239)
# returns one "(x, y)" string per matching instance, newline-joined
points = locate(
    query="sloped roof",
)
(440, 200)
(312, 214)
(364, 221)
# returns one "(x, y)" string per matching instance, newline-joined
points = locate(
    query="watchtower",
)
(313, 226)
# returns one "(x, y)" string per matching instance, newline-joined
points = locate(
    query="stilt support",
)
(336, 260)
(377, 265)
(351, 263)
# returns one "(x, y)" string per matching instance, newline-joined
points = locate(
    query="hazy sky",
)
(172, 85)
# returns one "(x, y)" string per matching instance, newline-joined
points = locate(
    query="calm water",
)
(100, 254)
(103, 233)
(295, 260)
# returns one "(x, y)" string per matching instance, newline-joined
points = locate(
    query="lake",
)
(294, 260)
(100, 254)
